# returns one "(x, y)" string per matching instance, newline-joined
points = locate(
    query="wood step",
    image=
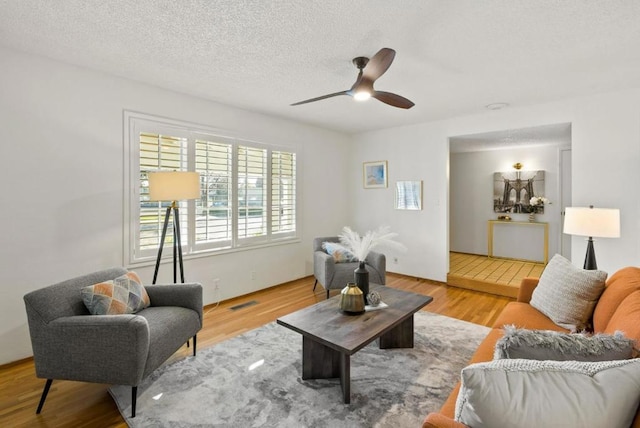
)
(491, 275)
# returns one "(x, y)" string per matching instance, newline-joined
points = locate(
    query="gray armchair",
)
(71, 344)
(334, 275)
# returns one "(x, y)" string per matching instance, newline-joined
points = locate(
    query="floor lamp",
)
(592, 222)
(173, 186)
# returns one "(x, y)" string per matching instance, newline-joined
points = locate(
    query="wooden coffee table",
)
(329, 337)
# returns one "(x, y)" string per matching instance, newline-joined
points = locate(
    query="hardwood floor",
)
(490, 275)
(79, 404)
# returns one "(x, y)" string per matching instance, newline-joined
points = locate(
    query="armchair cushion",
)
(122, 295)
(168, 327)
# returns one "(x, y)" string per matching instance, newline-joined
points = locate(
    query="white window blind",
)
(248, 190)
(158, 152)
(283, 192)
(213, 211)
(252, 197)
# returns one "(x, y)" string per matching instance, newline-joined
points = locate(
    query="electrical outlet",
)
(252, 275)
(216, 284)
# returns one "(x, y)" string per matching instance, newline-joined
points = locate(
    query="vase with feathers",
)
(361, 246)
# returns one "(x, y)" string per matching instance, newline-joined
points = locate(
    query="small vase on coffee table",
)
(361, 276)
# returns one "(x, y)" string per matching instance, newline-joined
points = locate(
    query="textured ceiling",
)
(544, 135)
(453, 57)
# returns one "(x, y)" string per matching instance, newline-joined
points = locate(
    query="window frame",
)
(136, 123)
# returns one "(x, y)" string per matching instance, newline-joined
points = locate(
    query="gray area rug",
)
(227, 385)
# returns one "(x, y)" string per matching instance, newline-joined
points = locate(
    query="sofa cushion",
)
(568, 294)
(122, 295)
(618, 287)
(523, 315)
(627, 318)
(557, 346)
(549, 393)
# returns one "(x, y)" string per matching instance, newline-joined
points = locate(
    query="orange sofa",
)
(617, 309)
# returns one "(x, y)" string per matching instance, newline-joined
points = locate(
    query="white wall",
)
(412, 155)
(471, 200)
(606, 154)
(62, 184)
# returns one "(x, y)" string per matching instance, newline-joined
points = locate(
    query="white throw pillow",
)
(568, 294)
(531, 393)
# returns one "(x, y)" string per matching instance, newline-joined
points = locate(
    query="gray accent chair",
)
(71, 344)
(334, 276)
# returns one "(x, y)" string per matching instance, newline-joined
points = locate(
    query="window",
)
(247, 190)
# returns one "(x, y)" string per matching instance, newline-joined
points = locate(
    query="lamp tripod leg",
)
(164, 235)
(176, 220)
(176, 245)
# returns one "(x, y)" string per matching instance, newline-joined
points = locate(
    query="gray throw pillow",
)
(567, 394)
(568, 294)
(557, 346)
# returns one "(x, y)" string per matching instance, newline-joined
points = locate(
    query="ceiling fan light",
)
(362, 95)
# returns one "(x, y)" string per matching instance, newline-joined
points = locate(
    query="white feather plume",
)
(361, 246)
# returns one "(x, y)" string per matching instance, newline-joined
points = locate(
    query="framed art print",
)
(513, 190)
(374, 174)
(408, 195)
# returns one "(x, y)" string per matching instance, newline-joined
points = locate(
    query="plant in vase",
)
(537, 204)
(361, 246)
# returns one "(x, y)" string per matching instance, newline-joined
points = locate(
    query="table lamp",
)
(173, 186)
(592, 222)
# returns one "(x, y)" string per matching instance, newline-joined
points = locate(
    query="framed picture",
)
(513, 190)
(374, 174)
(409, 195)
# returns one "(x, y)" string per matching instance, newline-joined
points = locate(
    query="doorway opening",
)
(542, 153)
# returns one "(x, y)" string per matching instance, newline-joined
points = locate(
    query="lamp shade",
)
(174, 185)
(594, 222)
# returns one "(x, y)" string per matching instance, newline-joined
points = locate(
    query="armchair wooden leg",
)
(195, 338)
(314, 285)
(134, 396)
(45, 391)
(327, 293)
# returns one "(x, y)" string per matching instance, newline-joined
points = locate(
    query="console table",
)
(544, 225)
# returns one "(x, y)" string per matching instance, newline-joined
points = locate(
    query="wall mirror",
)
(409, 195)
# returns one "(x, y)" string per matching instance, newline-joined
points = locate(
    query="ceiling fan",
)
(369, 71)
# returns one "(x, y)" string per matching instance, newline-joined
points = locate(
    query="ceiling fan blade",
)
(321, 98)
(379, 64)
(358, 80)
(392, 99)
